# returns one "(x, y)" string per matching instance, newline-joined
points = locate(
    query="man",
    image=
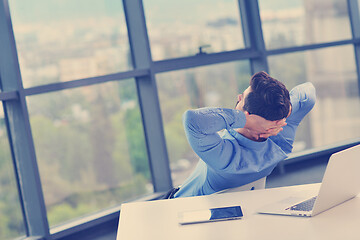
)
(255, 137)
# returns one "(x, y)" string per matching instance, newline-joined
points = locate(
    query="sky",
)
(55, 10)
(158, 10)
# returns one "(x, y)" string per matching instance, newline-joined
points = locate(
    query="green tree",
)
(11, 220)
(134, 129)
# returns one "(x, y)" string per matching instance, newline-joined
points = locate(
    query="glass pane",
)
(299, 22)
(179, 28)
(90, 148)
(336, 115)
(65, 40)
(11, 218)
(211, 86)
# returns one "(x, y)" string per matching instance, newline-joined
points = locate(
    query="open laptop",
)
(340, 183)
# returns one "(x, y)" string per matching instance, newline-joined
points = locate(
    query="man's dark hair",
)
(268, 97)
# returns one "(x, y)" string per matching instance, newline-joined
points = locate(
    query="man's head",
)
(265, 97)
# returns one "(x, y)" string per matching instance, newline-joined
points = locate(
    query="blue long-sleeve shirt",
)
(229, 159)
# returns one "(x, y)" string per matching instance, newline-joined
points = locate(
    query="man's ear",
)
(290, 110)
(239, 97)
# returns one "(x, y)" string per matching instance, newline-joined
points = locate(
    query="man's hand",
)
(258, 127)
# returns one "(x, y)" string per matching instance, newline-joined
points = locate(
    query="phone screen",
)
(210, 215)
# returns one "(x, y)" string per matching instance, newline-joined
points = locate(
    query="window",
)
(59, 41)
(293, 23)
(11, 220)
(180, 28)
(90, 148)
(336, 115)
(89, 135)
(211, 86)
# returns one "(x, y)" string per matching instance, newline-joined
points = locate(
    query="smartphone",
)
(210, 215)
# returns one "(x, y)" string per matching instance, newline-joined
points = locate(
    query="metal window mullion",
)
(19, 132)
(354, 16)
(202, 60)
(253, 35)
(148, 96)
(308, 47)
(58, 86)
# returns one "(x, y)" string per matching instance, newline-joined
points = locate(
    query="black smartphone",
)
(210, 215)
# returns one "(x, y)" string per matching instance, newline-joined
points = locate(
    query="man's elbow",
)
(311, 94)
(190, 120)
(188, 116)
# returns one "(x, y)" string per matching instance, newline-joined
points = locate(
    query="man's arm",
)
(303, 98)
(202, 127)
(206, 121)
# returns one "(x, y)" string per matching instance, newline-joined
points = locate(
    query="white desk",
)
(157, 220)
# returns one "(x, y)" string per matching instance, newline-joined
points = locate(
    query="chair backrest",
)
(258, 184)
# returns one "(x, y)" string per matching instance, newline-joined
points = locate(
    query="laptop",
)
(341, 182)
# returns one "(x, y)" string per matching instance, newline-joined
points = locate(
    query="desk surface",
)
(158, 219)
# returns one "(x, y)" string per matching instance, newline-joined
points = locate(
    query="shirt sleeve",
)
(202, 127)
(303, 98)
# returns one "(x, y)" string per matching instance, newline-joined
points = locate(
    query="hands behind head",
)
(258, 128)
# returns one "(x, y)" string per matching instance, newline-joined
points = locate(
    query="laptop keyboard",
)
(303, 206)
